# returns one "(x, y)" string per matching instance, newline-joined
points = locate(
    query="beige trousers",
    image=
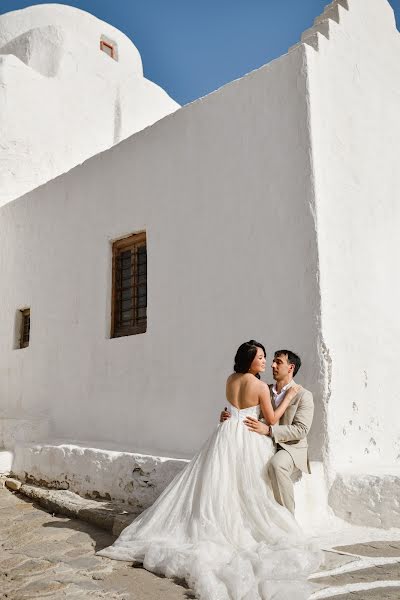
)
(281, 468)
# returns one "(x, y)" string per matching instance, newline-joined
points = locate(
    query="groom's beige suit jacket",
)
(294, 425)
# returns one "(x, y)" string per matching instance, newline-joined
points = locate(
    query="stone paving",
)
(374, 575)
(53, 557)
(375, 594)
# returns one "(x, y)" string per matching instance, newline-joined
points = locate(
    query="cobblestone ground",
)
(380, 577)
(53, 557)
(45, 556)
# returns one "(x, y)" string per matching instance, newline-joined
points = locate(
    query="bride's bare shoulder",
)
(231, 377)
(254, 382)
(264, 387)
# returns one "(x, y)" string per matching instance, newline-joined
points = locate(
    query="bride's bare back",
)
(244, 390)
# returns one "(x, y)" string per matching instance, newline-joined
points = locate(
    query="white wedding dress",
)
(218, 526)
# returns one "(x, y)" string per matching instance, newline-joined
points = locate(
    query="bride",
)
(217, 525)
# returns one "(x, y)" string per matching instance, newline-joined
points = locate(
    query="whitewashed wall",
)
(271, 212)
(63, 100)
(354, 85)
(223, 188)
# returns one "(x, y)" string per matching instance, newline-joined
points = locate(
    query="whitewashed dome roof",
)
(66, 29)
(71, 86)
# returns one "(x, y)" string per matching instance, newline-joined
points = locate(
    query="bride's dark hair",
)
(245, 355)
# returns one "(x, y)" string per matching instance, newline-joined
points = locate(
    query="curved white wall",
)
(62, 100)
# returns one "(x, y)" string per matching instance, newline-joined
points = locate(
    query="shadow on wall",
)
(41, 49)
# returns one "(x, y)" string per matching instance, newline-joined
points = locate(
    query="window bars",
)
(25, 328)
(129, 298)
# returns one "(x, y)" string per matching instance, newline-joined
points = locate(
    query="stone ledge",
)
(134, 480)
(96, 473)
(110, 516)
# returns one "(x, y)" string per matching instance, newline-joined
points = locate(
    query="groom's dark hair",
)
(292, 358)
(245, 355)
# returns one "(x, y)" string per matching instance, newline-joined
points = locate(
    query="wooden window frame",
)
(133, 241)
(103, 44)
(25, 325)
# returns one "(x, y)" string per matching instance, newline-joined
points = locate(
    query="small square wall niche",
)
(109, 48)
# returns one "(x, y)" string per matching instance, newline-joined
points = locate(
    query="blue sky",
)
(192, 47)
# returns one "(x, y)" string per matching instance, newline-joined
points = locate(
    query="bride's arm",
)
(272, 416)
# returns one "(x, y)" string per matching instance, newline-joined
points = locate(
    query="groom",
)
(290, 434)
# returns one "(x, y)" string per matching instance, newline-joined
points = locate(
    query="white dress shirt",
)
(279, 396)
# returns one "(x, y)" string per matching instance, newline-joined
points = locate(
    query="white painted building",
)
(270, 210)
(71, 86)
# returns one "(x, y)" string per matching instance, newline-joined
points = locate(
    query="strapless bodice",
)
(240, 414)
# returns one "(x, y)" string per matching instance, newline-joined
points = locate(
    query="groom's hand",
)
(256, 426)
(224, 415)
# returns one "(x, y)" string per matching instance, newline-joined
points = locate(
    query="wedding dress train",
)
(218, 526)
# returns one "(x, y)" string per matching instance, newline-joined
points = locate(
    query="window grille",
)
(25, 328)
(129, 301)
